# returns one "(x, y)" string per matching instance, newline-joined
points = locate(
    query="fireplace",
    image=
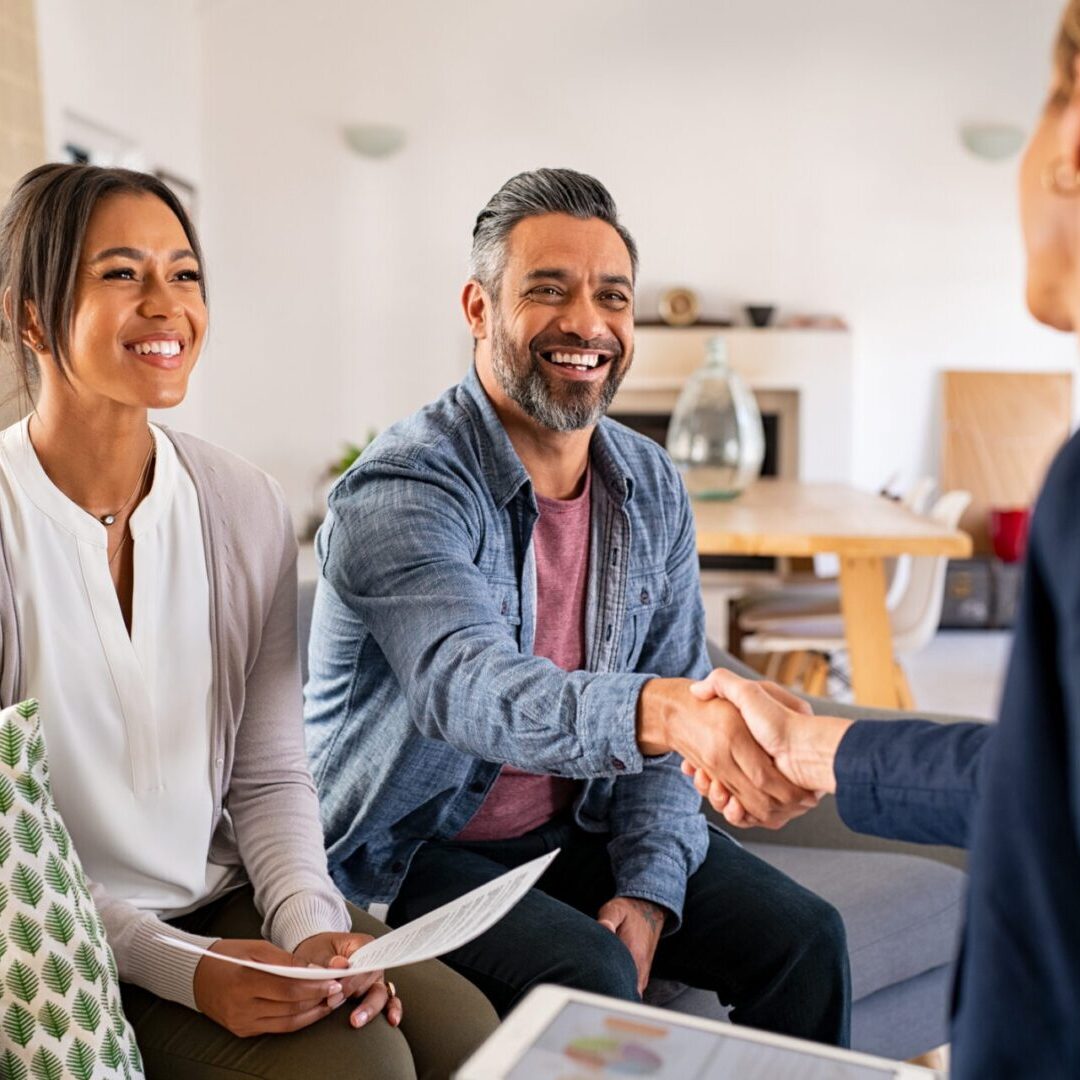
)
(806, 377)
(655, 425)
(779, 416)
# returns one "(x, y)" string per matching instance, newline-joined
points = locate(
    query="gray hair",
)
(542, 191)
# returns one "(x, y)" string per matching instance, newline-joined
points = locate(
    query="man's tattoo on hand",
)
(654, 915)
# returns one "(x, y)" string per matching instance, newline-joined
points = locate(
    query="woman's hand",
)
(249, 1002)
(333, 950)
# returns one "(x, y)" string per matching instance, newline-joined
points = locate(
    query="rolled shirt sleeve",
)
(429, 606)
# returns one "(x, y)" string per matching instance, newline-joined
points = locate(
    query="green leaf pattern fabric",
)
(11, 1068)
(57, 974)
(60, 1012)
(60, 924)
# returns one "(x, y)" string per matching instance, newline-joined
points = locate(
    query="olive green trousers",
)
(444, 1019)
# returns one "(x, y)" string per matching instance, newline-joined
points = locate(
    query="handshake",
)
(755, 751)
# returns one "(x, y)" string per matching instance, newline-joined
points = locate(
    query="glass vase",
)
(716, 438)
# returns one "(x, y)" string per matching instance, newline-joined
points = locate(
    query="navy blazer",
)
(1017, 999)
(1016, 1006)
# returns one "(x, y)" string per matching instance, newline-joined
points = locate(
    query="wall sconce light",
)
(992, 142)
(374, 140)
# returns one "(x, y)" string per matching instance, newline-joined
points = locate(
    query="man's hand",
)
(249, 1002)
(802, 745)
(333, 950)
(713, 737)
(638, 925)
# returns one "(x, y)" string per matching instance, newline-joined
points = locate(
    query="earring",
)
(1061, 178)
(40, 347)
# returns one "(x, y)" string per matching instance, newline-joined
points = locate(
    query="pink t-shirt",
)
(519, 802)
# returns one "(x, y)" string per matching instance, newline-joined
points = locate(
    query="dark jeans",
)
(767, 947)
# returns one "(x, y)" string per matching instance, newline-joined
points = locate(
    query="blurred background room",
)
(848, 164)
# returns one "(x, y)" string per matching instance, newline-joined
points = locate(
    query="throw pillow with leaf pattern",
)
(60, 1011)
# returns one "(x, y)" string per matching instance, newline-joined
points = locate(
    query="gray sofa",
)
(901, 905)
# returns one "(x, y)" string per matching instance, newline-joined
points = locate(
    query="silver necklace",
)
(119, 548)
(110, 518)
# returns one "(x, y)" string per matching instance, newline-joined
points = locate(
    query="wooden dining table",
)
(795, 519)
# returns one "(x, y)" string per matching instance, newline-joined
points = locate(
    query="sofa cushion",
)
(902, 913)
(60, 1011)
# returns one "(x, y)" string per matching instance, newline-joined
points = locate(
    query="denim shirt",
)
(423, 681)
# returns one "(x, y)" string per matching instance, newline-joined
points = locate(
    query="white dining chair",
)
(807, 646)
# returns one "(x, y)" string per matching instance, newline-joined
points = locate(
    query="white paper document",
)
(438, 932)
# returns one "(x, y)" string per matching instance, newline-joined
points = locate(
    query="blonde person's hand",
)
(372, 988)
(248, 1002)
(765, 724)
(802, 745)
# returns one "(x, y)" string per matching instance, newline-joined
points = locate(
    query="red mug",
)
(1008, 533)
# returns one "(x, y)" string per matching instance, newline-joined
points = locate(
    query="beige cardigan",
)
(266, 814)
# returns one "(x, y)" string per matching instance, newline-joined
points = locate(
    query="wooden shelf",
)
(701, 324)
(740, 328)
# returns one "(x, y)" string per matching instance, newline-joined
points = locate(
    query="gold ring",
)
(391, 989)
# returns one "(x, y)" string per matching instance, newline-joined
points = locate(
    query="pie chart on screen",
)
(615, 1056)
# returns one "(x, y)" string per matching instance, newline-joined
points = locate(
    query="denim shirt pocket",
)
(645, 593)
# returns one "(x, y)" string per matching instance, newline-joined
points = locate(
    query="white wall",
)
(759, 149)
(134, 68)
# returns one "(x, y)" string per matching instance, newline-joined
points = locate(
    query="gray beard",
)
(531, 390)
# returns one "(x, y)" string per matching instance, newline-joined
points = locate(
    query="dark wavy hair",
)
(42, 228)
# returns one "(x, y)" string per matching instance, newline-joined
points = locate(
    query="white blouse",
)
(126, 718)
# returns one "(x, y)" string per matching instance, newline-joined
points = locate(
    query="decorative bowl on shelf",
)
(760, 315)
(679, 307)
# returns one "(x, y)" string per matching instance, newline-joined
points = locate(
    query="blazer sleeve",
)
(911, 779)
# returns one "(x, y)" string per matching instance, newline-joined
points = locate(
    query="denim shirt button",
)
(620, 765)
(644, 596)
(476, 787)
(505, 607)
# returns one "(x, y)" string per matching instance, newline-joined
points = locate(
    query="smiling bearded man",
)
(504, 634)
(573, 405)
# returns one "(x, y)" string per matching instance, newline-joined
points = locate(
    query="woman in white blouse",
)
(148, 600)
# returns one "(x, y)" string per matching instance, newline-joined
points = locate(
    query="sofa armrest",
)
(822, 827)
